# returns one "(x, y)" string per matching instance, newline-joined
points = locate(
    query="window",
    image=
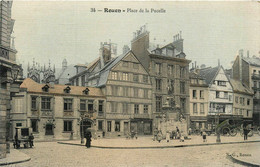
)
(255, 84)
(125, 76)
(100, 106)
(77, 82)
(136, 109)
(221, 83)
(202, 94)
(182, 87)
(145, 93)
(135, 92)
(125, 109)
(34, 125)
(135, 65)
(240, 112)
(158, 84)
(67, 104)
(145, 109)
(158, 103)
(183, 104)
(248, 102)
(135, 78)
(170, 86)
(125, 91)
(33, 106)
(145, 78)
(194, 92)
(201, 108)
(117, 126)
(114, 90)
(90, 105)
(18, 124)
(67, 126)
(82, 105)
(182, 72)
(100, 125)
(113, 106)
(217, 94)
(241, 100)
(46, 103)
(125, 64)
(170, 69)
(226, 95)
(195, 108)
(158, 68)
(236, 99)
(114, 75)
(83, 80)
(109, 126)
(247, 113)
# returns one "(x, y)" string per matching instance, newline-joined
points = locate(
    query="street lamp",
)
(218, 140)
(15, 72)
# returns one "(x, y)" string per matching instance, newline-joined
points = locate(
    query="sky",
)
(54, 30)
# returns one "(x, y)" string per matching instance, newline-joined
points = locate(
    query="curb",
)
(230, 157)
(161, 147)
(15, 162)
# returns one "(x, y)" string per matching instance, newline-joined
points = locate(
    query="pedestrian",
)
(88, 136)
(189, 131)
(204, 136)
(31, 137)
(155, 132)
(167, 136)
(245, 130)
(177, 129)
(159, 136)
(181, 137)
(174, 134)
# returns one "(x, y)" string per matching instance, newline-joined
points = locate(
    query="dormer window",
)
(86, 91)
(67, 89)
(45, 88)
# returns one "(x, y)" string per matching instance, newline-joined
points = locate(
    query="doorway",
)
(84, 125)
(49, 129)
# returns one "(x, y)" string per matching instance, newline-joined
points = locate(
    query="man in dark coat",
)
(88, 138)
(245, 130)
(31, 137)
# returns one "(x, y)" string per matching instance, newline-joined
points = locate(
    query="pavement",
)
(14, 157)
(246, 157)
(148, 143)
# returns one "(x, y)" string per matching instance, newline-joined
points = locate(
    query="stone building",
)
(247, 70)
(169, 71)
(57, 111)
(198, 100)
(7, 71)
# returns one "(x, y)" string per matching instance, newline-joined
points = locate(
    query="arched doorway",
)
(84, 125)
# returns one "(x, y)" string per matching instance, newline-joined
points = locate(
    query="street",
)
(53, 154)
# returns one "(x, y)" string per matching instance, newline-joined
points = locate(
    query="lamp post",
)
(218, 140)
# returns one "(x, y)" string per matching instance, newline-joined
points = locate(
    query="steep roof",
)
(104, 72)
(255, 61)
(238, 87)
(209, 73)
(35, 87)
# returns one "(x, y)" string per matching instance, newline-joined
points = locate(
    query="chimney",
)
(241, 51)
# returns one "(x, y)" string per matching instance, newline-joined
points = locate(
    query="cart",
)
(22, 137)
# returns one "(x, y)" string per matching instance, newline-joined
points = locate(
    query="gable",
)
(131, 58)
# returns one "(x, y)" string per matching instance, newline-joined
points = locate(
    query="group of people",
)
(169, 135)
